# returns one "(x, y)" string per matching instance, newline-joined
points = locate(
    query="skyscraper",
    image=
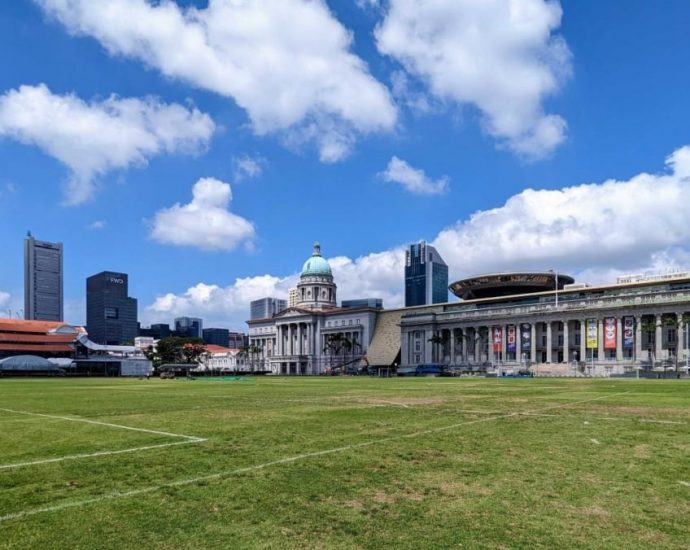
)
(189, 327)
(42, 280)
(265, 308)
(111, 315)
(426, 276)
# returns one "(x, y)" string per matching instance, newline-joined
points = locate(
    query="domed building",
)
(313, 335)
(316, 289)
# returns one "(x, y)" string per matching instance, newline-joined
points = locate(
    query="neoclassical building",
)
(531, 319)
(315, 334)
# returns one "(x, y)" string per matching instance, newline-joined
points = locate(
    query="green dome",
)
(316, 265)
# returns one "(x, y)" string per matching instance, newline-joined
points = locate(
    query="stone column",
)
(566, 342)
(404, 347)
(533, 343)
(638, 338)
(658, 339)
(681, 346)
(619, 339)
(600, 340)
(504, 345)
(452, 345)
(428, 347)
(583, 339)
(549, 342)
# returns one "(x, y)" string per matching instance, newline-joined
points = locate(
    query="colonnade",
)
(605, 338)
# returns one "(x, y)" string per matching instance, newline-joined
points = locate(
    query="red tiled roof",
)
(40, 327)
(36, 347)
(38, 338)
(212, 348)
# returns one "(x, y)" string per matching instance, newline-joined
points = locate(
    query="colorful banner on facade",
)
(628, 332)
(497, 339)
(526, 338)
(511, 339)
(610, 333)
(592, 340)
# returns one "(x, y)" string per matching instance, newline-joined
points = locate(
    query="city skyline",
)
(215, 193)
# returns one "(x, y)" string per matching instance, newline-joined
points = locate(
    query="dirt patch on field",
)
(383, 498)
(403, 401)
(355, 504)
(642, 451)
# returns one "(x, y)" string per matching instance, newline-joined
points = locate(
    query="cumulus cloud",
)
(206, 222)
(595, 231)
(621, 224)
(500, 56)
(412, 179)
(224, 306)
(97, 137)
(248, 167)
(286, 62)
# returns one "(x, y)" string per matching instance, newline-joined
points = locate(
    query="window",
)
(358, 321)
(112, 313)
(418, 346)
(350, 322)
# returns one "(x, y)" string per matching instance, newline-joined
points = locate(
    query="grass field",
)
(344, 462)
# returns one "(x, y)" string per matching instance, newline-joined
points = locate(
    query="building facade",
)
(315, 335)
(426, 276)
(266, 307)
(43, 280)
(580, 329)
(217, 336)
(376, 303)
(189, 327)
(111, 315)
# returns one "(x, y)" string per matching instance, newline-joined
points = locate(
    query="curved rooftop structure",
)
(316, 265)
(494, 285)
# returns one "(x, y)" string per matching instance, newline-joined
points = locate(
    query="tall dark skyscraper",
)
(111, 315)
(42, 280)
(426, 276)
(189, 327)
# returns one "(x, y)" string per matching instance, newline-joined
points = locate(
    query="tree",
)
(175, 350)
(253, 350)
(335, 344)
(440, 339)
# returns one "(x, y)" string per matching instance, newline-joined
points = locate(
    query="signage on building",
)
(628, 332)
(497, 339)
(525, 337)
(116, 280)
(510, 339)
(592, 340)
(610, 333)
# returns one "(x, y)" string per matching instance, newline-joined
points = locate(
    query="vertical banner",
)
(592, 340)
(610, 333)
(510, 339)
(628, 332)
(526, 338)
(497, 339)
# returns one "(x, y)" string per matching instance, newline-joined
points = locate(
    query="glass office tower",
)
(426, 276)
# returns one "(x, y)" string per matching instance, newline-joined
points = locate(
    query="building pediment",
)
(292, 312)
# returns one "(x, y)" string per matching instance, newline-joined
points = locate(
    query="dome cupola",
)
(316, 265)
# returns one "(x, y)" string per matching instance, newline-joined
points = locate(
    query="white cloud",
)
(205, 222)
(595, 232)
(248, 167)
(613, 225)
(286, 62)
(501, 56)
(98, 224)
(94, 138)
(4, 298)
(220, 306)
(412, 179)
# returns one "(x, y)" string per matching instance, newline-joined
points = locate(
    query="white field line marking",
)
(228, 473)
(595, 441)
(621, 419)
(686, 483)
(97, 423)
(100, 453)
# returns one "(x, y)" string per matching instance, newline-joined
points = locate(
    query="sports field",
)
(344, 462)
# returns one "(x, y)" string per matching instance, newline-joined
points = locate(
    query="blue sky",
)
(544, 135)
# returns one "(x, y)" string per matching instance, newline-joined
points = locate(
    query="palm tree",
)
(439, 339)
(253, 350)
